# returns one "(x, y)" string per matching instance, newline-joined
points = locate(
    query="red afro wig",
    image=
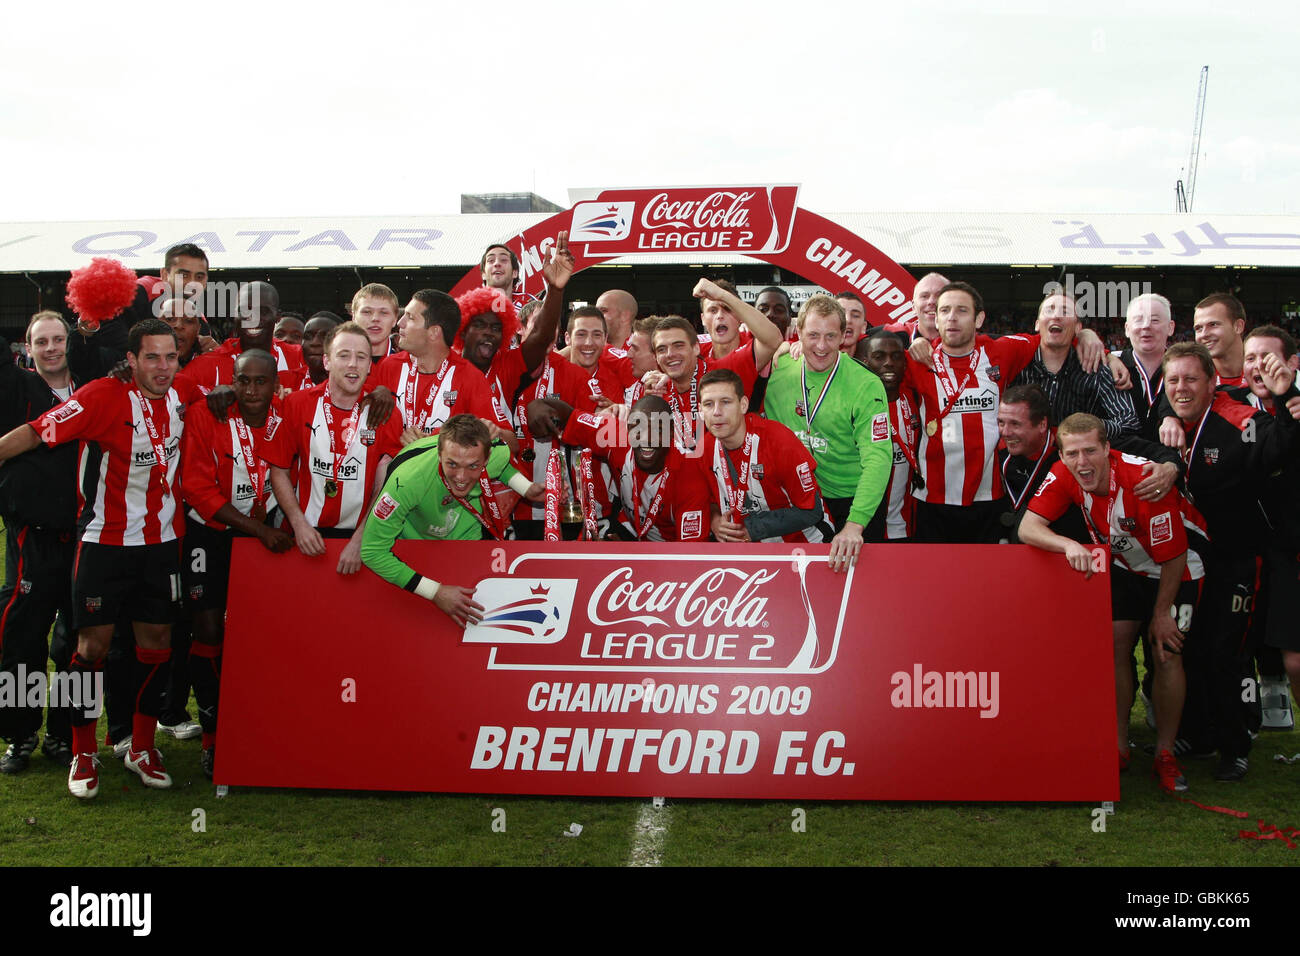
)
(486, 299)
(101, 290)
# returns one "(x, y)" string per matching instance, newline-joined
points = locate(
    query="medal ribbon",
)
(1015, 501)
(686, 440)
(1093, 531)
(803, 380)
(1190, 452)
(736, 496)
(643, 527)
(903, 436)
(409, 416)
(1148, 388)
(947, 380)
(495, 525)
(255, 467)
(351, 425)
(155, 439)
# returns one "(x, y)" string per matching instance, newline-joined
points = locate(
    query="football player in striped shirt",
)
(225, 483)
(962, 497)
(128, 561)
(337, 450)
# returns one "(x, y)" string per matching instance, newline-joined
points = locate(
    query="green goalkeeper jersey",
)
(847, 431)
(416, 504)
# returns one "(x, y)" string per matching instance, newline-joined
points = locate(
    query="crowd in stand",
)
(1169, 466)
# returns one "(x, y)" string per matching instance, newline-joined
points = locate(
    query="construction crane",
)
(1186, 197)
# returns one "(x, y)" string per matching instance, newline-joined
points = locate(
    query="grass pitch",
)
(41, 824)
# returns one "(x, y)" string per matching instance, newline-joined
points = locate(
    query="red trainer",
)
(1168, 774)
(148, 764)
(83, 776)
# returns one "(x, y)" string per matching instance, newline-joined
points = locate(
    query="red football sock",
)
(143, 728)
(83, 739)
(151, 670)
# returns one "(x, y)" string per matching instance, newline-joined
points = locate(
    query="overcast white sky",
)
(144, 110)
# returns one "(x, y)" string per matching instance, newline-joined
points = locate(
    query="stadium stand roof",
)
(911, 238)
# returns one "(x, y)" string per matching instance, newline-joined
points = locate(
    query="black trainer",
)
(207, 760)
(1231, 769)
(18, 755)
(60, 751)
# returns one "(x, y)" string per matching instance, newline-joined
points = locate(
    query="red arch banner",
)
(764, 222)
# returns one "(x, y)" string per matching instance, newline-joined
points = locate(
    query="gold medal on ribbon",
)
(331, 488)
(931, 427)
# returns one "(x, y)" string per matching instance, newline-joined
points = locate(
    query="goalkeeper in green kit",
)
(840, 412)
(441, 488)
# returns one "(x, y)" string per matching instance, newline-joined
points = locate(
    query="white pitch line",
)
(649, 834)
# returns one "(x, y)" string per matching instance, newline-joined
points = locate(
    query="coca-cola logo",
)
(720, 597)
(718, 210)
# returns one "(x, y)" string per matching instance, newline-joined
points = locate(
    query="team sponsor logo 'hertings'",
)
(753, 219)
(670, 613)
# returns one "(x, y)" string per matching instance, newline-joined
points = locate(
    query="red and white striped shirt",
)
(959, 400)
(898, 501)
(125, 498)
(349, 461)
(1141, 534)
(214, 465)
(773, 470)
(425, 400)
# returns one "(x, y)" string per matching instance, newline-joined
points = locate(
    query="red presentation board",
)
(925, 673)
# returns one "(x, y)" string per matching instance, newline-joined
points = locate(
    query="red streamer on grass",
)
(1264, 831)
(1242, 814)
(1269, 832)
(101, 290)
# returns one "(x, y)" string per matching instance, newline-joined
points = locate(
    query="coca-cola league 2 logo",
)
(666, 613)
(754, 219)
